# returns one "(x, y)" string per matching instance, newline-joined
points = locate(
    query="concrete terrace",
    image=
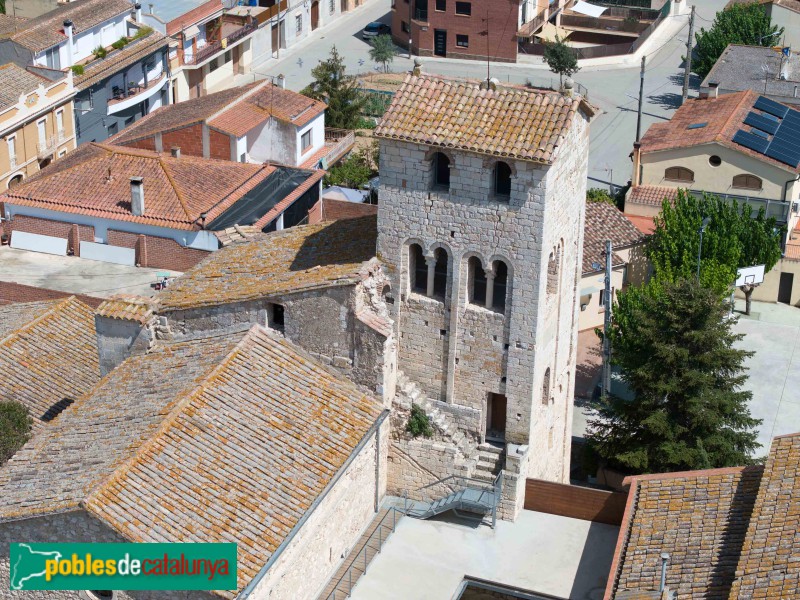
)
(548, 554)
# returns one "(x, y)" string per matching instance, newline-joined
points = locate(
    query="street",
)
(613, 90)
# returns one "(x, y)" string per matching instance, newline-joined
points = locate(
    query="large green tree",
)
(747, 24)
(339, 90)
(676, 352)
(561, 59)
(15, 428)
(383, 51)
(760, 238)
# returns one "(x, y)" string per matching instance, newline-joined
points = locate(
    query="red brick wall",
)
(156, 252)
(74, 233)
(220, 145)
(502, 39)
(16, 292)
(189, 139)
(146, 144)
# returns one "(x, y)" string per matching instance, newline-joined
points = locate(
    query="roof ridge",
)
(184, 400)
(174, 186)
(745, 95)
(236, 102)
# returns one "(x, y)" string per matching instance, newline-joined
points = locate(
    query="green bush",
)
(419, 424)
(15, 428)
(120, 43)
(77, 69)
(143, 32)
(364, 123)
(100, 52)
(599, 195)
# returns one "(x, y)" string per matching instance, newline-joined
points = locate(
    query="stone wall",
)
(119, 339)
(317, 551)
(423, 347)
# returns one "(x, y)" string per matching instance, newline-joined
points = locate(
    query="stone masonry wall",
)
(119, 339)
(423, 344)
(326, 538)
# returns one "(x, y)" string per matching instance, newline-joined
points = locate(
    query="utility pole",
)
(607, 325)
(688, 58)
(641, 98)
(410, 26)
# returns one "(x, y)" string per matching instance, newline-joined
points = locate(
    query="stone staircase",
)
(408, 393)
(490, 462)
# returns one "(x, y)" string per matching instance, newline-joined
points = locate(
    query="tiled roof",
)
(99, 70)
(177, 190)
(651, 195)
(49, 360)
(769, 566)
(606, 222)
(48, 29)
(196, 15)
(741, 68)
(10, 25)
(178, 115)
(294, 259)
(127, 307)
(57, 468)
(644, 224)
(723, 117)
(511, 121)
(15, 81)
(243, 456)
(700, 518)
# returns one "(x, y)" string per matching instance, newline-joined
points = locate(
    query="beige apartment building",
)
(36, 120)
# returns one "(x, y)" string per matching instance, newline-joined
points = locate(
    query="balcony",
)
(231, 33)
(48, 146)
(122, 99)
(339, 142)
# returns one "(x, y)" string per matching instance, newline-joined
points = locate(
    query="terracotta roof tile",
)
(127, 307)
(177, 190)
(769, 566)
(243, 456)
(512, 121)
(723, 117)
(302, 257)
(10, 25)
(644, 224)
(196, 15)
(651, 195)
(49, 357)
(606, 222)
(48, 29)
(99, 70)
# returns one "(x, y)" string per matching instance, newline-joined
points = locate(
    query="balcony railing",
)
(222, 44)
(134, 89)
(340, 141)
(49, 145)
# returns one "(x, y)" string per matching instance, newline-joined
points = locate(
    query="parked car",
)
(375, 29)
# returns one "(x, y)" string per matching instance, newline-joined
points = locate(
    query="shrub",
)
(100, 52)
(120, 43)
(419, 424)
(143, 32)
(599, 195)
(77, 69)
(15, 428)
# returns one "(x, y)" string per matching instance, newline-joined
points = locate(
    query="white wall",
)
(317, 127)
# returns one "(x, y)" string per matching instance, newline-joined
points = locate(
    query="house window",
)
(275, 316)
(440, 273)
(113, 129)
(477, 282)
(747, 182)
(603, 298)
(405, 28)
(500, 286)
(441, 5)
(12, 151)
(679, 174)
(228, 56)
(41, 128)
(298, 23)
(305, 141)
(60, 124)
(61, 153)
(418, 269)
(462, 41)
(332, 6)
(212, 66)
(53, 59)
(553, 267)
(502, 179)
(714, 160)
(546, 387)
(441, 171)
(464, 8)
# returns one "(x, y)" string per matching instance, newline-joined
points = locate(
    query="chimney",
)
(281, 81)
(137, 12)
(490, 84)
(70, 41)
(175, 151)
(137, 196)
(417, 70)
(713, 89)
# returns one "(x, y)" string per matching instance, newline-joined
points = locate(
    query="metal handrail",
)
(358, 560)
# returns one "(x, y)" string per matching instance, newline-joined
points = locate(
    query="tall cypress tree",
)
(675, 349)
(339, 90)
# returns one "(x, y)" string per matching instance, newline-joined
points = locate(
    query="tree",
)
(561, 59)
(15, 428)
(340, 91)
(675, 350)
(383, 51)
(747, 24)
(353, 172)
(599, 195)
(760, 239)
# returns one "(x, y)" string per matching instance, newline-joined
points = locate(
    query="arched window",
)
(477, 282)
(546, 387)
(747, 182)
(14, 181)
(418, 269)
(502, 179)
(680, 174)
(440, 274)
(553, 267)
(441, 171)
(500, 285)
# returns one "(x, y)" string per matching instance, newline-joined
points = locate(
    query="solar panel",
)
(697, 125)
(760, 133)
(748, 140)
(756, 120)
(771, 107)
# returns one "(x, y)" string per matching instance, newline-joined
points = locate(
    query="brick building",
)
(145, 208)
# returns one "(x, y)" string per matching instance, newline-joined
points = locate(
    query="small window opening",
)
(478, 279)
(500, 284)
(440, 274)
(276, 316)
(418, 269)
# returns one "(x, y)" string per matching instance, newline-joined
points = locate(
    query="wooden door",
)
(314, 15)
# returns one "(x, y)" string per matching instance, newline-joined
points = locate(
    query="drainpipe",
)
(664, 561)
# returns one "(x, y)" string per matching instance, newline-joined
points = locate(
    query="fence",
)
(574, 501)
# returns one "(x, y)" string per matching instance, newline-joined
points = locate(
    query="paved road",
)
(613, 132)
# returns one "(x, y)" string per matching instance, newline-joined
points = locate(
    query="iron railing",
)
(344, 585)
(488, 496)
(343, 140)
(217, 46)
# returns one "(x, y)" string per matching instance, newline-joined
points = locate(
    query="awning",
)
(191, 32)
(590, 10)
(549, 33)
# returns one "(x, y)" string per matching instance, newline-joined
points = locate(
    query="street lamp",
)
(769, 35)
(703, 226)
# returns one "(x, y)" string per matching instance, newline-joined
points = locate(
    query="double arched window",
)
(747, 182)
(428, 275)
(487, 287)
